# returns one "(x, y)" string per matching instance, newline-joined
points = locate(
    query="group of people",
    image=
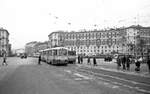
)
(80, 60)
(125, 62)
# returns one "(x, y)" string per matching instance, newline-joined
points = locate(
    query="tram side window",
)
(72, 53)
(47, 52)
(63, 52)
(50, 52)
(54, 52)
(44, 53)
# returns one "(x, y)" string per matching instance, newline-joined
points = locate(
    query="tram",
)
(57, 55)
(72, 57)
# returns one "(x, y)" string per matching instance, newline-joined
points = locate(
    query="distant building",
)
(18, 52)
(4, 41)
(99, 41)
(34, 47)
(142, 32)
(40, 46)
(29, 48)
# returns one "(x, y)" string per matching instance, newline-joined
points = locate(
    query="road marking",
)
(82, 76)
(77, 79)
(115, 86)
(69, 71)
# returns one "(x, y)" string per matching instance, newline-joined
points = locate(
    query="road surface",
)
(24, 76)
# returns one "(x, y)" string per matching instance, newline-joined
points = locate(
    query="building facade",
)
(4, 41)
(34, 47)
(98, 41)
(40, 46)
(144, 34)
(29, 48)
(20, 51)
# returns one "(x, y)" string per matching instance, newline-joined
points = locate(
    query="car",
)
(23, 56)
(108, 58)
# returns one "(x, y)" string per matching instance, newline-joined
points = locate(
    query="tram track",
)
(130, 84)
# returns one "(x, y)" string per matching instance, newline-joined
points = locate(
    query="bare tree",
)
(140, 44)
(131, 47)
(123, 42)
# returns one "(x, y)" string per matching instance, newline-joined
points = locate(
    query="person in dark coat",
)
(88, 60)
(127, 62)
(118, 62)
(138, 64)
(81, 59)
(4, 60)
(148, 63)
(94, 61)
(123, 62)
(78, 59)
(39, 61)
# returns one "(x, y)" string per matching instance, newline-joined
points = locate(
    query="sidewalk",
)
(111, 66)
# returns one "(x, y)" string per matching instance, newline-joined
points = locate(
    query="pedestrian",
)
(138, 64)
(127, 62)
(39, 61)
(148, 63)
(78, 59)
(81, 59)
(94, 61)
(88, 60)
(118, 62)
(123, 62)
(4, 60)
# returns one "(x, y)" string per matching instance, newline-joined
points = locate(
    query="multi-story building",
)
(29, 48)
(142, 32)
(99, 41)
(34, 47)
(88, 42)
(4, 41)
(20, 51)
(40, 46)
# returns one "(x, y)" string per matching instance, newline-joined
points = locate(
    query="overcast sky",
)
(34, 20)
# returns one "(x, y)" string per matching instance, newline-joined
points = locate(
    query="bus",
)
(56, 56)
(71, 57)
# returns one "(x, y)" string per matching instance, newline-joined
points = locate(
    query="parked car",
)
(24, 55)
(108, 58)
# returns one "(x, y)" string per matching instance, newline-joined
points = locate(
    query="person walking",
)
(4, 60)
(81, 59)
(148, 63)
(88, 60)
(123, 62)
(127, 62)
(78, 59)
(118, 62)
(94, 61)
(138, 64)
(39, 61)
